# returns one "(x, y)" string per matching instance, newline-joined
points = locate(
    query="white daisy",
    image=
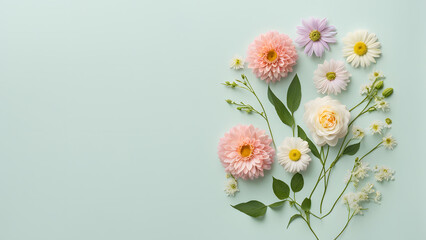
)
(389, 142)
(382, 105)
(358, 132)
(231, 187)
(354, 199)
(361, 48)
(376, 75)
(384, 173)
(365, 89)
(378, 197)
(236, 63)
(331, 77)
(293, 154)
(376, 127)
(388, 123)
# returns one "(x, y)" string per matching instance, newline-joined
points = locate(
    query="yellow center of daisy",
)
(237, 61)
(246, 150)
(315, 35)
(271, 55)
(388, 141)
(294, 155)
(331, 76)
(376, 74)
(327, 119)
(360, 48)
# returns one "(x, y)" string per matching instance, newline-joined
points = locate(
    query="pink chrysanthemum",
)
(245, 152)
(272, 56)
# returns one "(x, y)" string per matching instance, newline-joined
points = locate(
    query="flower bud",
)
(234, 84)
(239, 108)
(372, 109)
(388, 121)
(248, 110)
(379, 84)
(387, 92)
(228, 100)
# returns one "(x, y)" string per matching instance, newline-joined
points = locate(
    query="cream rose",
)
(327, 120)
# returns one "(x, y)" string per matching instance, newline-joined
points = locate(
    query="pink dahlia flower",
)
(245, 152)
(315, 35)
(272, 56)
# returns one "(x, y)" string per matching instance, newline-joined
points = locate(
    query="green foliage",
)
(294, 94)
(277, 204)
(280, 108)
(352, 149)
(252, 208)
(306, 205)
(281, 189)
(297, 182)
(294, 217)
(312, 146)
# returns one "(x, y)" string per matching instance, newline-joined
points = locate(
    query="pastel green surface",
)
(111, 112)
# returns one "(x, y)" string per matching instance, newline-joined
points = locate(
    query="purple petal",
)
(322, 24)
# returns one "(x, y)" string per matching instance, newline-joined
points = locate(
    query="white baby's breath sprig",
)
(383, 173)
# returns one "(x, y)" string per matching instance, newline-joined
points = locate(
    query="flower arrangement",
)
(246, 152)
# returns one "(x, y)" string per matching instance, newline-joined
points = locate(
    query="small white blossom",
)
(236, 63)
(360, 172)
(376, 75)
(378, 197)
(231, 187)
(354, 199)
(382, 105)
(383, 173)
(376, 127)
(389, 142)
(358, 132)
(365, 89)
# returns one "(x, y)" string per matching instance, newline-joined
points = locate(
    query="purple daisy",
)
(314, 35)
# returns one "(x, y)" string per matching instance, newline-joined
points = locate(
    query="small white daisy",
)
(236, 63)
(358, 132)
(382, 105)
(378, 197)
(389, 142)
(293, 154)
(376, 75)
(384, 173)
(231, 187)
(361, 48)
(331, 77)
(388, 123)
(365, 89)
(376, 127)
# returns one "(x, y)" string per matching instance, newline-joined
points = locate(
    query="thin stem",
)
(349, 219)
(358, 104)
(261, 105)
(309, 225)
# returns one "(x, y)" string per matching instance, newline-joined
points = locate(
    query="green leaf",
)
(252, 208)
(306, 204)
(277, 204)
(281, 189)
(312, 146)
(294, 94)
(352, 149)
(295, 216)
(297, 182)
(280, 108)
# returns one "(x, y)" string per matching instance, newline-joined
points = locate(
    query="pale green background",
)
(111, 112)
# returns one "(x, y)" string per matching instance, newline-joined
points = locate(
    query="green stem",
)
(349, 219)
(263, 109)
(309, 225)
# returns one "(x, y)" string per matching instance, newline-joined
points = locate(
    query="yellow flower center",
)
(360, 48)
(271, 55)
(327, 119)
(315, 35)
(331, 76)
(294, 155)
(237, 61)
(246, 150)
(376, 74)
